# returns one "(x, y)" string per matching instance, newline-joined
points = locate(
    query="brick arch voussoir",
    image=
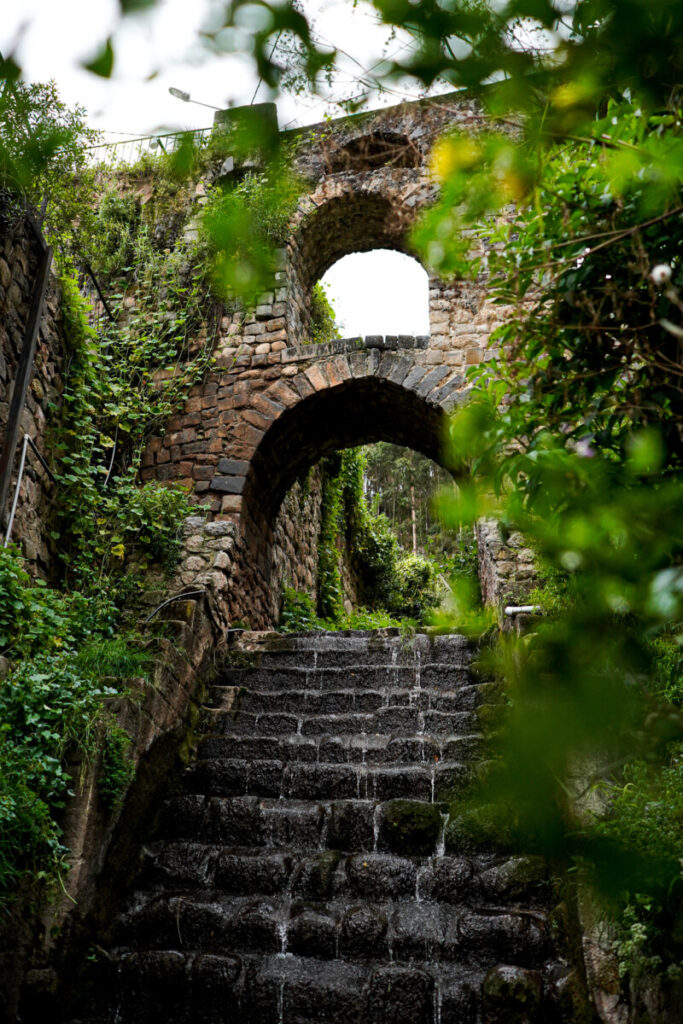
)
(355, 213)
(341, 401)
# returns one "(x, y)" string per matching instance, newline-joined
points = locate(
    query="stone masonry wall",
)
(18, 262)
(507, 566)
(295, 536)
(275, 404)
(210, 557)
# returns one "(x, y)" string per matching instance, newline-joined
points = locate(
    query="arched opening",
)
(359, 410)
(382, 292)
(366, 152)
(350, 222)
(359, 542)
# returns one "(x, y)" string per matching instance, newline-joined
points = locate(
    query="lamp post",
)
(186, 98)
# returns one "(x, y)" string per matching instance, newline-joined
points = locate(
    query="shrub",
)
(298, 613)
(324, 326)
(416, 586)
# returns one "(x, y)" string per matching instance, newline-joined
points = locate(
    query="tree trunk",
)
(413, 517)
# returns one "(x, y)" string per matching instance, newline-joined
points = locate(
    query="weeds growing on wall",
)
(65, 657)
(323, 326)
(66, 649)
(243, 223)
(121, 384)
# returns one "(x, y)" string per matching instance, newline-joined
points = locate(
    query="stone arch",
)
(352, 412)
(380, 147)
(334, 402)
(349, 213)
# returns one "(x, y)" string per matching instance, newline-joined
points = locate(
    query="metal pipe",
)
(40, 458)
(177, 597)
(15, 502)
(523, 609)
(91, 274)
(22, 466)
(113, 456)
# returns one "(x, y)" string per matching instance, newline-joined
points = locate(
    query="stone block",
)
(317, 377)
(363, 933)
(252, 330)
(277, 323)
(431, 379)
(228, 484)
(513, 995)
(399, 995)
(257, 419)
(233, 467)
(395, 370)
(231, 503)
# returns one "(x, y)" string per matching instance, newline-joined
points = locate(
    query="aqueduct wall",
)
(275, 403)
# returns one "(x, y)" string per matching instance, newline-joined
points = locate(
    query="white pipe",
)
(15, 501)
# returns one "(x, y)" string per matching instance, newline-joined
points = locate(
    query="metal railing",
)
(28, 442)
(128, 151)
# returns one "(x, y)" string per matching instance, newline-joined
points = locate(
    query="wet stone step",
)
(338, 651)
(297, 988)
(265, 821)
(363, 749)
(354, 928)
(385, 721)
(309, 869)
(230, 699)
(324, 874)
(171, 987)
(431, 781)
(366, 677)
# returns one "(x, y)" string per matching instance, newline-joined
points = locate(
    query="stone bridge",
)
(276, 403)
(385, 724)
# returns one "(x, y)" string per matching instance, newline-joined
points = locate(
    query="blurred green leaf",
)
(102, 63)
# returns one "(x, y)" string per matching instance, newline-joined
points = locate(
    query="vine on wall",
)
(68, 648)
(392, 587)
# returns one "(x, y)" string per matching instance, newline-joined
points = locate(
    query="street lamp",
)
(186, 98)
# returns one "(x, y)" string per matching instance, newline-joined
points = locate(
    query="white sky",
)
(160, 49)
(381, 292)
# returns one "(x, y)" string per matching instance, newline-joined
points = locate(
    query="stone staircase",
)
(306, 872)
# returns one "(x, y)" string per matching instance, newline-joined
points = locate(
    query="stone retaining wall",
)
(18, 264)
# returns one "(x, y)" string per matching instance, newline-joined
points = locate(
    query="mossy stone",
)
(491, 716)
(315, 874)
(512, 995)
(410, 826)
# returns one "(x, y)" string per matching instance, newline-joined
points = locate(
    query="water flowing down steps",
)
(306, 871)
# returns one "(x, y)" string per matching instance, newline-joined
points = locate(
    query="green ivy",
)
(324, 327)
(121, 386)
(61, 647)
(65, 648)
(116, 768)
